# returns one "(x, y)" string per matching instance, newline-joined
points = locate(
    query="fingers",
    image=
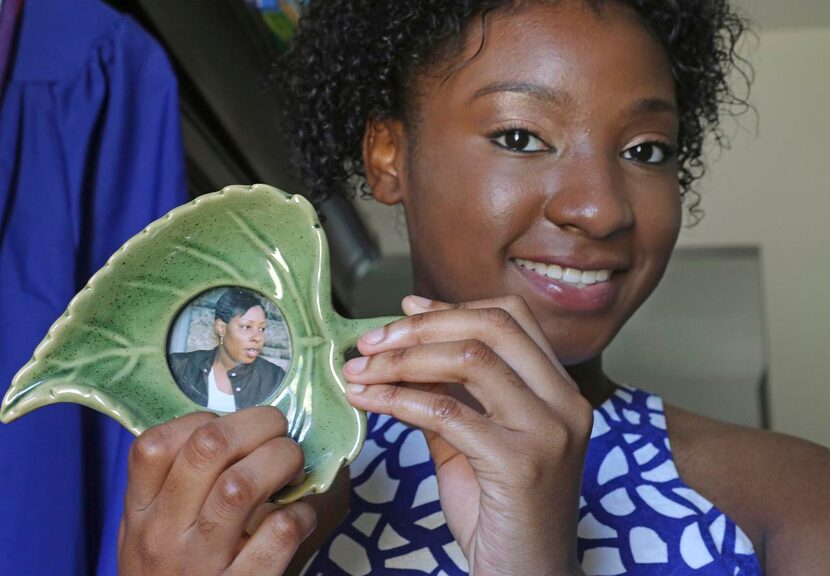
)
(495, 327)
(211, 449)
(152, 455)
(515, 305)
(465, 429)
(486, 376)
(272, 546)
(195, 484)
(244, 486)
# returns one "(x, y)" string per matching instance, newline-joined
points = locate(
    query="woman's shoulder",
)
(267, 366)
(180, 361)
(192, 355)
(775, 486)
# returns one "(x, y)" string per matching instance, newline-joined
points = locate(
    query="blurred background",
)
(770, 191)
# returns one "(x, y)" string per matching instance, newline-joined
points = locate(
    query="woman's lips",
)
(251, 352)
(575, 296)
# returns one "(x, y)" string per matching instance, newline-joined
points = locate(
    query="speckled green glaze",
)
(108, 350)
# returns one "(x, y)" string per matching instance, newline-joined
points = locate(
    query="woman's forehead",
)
(255, 314)
(559, 53)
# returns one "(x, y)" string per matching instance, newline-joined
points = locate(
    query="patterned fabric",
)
(636, 515)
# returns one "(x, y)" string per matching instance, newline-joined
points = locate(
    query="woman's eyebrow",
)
(564, 100)
(539, 91)
(653, 105)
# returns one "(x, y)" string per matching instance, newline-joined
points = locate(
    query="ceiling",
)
(769, 14)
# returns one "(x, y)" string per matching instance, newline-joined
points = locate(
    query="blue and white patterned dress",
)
(636, 515)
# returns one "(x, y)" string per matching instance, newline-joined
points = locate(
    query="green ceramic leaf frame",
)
(108, 350)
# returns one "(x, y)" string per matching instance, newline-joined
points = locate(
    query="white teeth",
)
(589, 277)
(553, 271)
(580, 278)
(549, 270)
(572, 275)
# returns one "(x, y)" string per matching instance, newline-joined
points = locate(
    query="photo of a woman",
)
(233, 375)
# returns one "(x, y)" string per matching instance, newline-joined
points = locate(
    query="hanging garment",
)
(90, 152)
(9, 19)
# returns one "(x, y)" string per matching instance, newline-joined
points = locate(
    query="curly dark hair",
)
(356, 59)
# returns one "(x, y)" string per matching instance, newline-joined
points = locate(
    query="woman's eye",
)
(649, 153)
(518, 140)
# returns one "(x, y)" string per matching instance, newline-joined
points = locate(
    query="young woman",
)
(543, 152)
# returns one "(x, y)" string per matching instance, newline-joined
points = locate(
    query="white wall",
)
(773, 189)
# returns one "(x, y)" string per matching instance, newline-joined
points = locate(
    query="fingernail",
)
(356, 388)
(421, 301)
(356, 365)
(374, 336)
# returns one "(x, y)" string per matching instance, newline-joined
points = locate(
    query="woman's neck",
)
(593, 383)
(223, 360)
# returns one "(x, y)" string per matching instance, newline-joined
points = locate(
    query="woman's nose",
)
(591, 198)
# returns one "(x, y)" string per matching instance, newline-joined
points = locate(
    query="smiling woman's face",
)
(543, 166)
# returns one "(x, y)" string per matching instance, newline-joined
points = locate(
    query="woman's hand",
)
(505, 424)
(194, 485)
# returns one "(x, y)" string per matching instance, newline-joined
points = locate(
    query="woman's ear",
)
(219, 327)
(383, 158)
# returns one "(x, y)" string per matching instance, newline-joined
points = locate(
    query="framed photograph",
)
(222, 304)
(229, 349)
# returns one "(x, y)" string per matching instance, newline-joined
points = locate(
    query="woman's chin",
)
(246, 359)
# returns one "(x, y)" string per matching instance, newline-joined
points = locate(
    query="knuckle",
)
(559, 434)
(418, 324)
(446, 409)
(498, 319)
(205, 525)
(274, 414)
(569, 434)
(512, 380)
(149, 547)
(516, 303)
(582, 416)
(397, 356)
(477, 354)
(236, 489)
(287, 527)
(519, 308)
(151, 449)
(208, 443)
(282, 420)
(390, 394)
(534, 472)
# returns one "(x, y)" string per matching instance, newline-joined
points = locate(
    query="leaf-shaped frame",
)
(108, 350)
